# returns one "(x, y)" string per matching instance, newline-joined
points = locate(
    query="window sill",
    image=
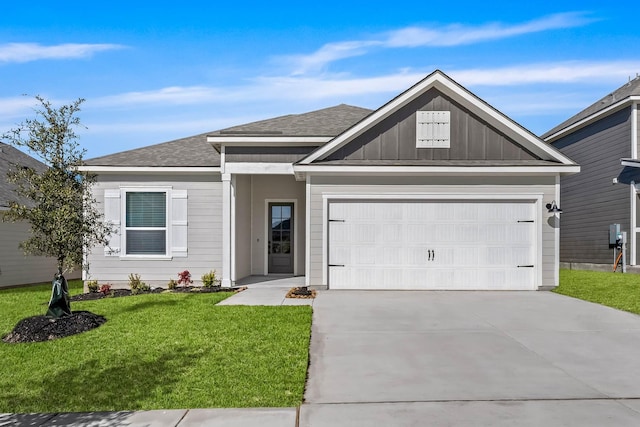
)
(146, 258)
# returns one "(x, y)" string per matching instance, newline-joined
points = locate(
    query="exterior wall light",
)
(553, 208)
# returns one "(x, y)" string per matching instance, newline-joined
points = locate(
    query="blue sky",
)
(152, 71)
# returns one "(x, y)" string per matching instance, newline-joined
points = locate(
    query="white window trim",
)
(123, 221)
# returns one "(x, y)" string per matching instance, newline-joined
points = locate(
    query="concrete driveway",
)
(471, 358)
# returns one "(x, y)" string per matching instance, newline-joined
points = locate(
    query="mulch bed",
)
(45, 328)
(301, 292)
(115, 293)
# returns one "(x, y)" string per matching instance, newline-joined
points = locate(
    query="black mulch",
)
(44, 328)
(115, 293)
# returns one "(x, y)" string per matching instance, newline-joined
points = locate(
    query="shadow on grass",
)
(153, 303)
(127, 383)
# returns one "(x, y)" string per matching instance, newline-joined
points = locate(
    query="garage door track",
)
(471, 358)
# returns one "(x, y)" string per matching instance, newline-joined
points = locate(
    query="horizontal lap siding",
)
(430, 185)
(204, 209)
(590, 200)
(15, 267)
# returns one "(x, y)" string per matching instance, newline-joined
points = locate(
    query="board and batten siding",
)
(394, 138)
(447, 186)
(204, 231)
(590, 200)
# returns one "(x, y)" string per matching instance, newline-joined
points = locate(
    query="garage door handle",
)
(336, 265)
(526, 220)
(336, 220)
(525, 266)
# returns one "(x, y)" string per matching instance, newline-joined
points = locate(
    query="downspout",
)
(633, 193)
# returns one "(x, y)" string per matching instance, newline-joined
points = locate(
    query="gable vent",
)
(433, 129)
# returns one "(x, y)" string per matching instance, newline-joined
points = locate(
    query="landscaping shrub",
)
(184, 278)
(136, 284)
(92, 285)
(105, 289)
(209, 280)
(172, 284)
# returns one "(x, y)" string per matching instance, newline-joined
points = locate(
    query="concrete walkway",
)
(267, 290)
(441, 359)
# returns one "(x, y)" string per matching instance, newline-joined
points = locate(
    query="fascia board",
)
(634, 163)
(593, 117)
(259, 168)
(434, 170)
(275, 141)
(148, 169)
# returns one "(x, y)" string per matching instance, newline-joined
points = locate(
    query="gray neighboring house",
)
(15, 267)
(603, 139)
(436, 189)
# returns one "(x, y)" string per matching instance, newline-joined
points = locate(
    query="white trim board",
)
(434, 170)
(147, 169)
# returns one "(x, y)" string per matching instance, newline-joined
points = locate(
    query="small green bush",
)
(137, 285)
(92, 285)
(209, 280)
(172, 284)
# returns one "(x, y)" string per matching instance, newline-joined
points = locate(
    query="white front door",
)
(432, 244)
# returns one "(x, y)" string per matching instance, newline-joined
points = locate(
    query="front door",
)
(280, 244)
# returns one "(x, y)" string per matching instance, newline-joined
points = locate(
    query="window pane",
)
(146, 209)
(146, 242)
(286, 212)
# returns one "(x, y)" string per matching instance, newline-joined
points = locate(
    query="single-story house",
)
(603, 138)
(15, 267)
(436, 189)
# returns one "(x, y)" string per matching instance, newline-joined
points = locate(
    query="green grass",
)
(157, 351)
(615, 290)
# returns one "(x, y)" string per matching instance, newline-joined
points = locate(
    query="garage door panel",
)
(432, 245)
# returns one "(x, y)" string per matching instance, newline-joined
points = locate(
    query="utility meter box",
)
(615, 236)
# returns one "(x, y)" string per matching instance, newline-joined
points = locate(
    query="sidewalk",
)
(231, 417)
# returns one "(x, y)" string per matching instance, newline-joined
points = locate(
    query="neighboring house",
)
(603, 139)
(15, 267)
(434, 190)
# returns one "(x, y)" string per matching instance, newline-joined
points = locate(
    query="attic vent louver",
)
(433, 129)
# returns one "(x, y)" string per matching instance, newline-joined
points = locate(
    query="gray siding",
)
(15, 267)
(589, 199)
(266, 154)
(430, 185)
(204, 208)
(395, 137)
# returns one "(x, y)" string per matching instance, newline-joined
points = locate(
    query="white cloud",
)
(27, 52)
(455, 35)
(174, 95)
(551, 72)
(423, 36)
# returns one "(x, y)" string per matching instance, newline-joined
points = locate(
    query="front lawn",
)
(615, 290)
(158, 351)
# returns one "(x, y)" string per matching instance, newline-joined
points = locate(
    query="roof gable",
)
(604, 106)
(394, 138)
(515, 137)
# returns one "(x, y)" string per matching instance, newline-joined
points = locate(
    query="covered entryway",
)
(432, 244)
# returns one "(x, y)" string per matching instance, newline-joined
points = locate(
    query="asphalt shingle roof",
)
(192, 151)
(11, 157)
(632, 88)
(196, 151)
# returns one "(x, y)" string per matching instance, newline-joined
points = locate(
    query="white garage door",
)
(432, 245)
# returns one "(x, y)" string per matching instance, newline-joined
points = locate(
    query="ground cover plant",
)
(617, 290)
(169, 350)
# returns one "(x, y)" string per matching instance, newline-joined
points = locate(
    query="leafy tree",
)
(62, 212)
